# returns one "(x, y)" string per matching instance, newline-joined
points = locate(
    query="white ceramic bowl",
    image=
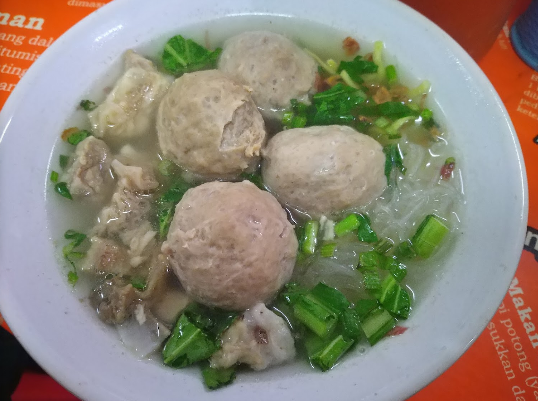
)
(64, 336)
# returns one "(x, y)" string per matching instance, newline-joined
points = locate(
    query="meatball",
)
(275, 68)
(231, 245)
(209, 125)
(324, 170)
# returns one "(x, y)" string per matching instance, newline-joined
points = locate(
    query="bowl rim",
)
(21, 328)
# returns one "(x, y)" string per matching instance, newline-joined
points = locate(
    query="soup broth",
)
(395, 214)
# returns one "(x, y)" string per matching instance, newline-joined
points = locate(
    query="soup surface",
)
(152, 253)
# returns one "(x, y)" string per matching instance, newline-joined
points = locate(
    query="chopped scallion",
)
(377, 57)
(327, 357)
(382, 122)
(350, 324)
(390, 71)
(365, 233)
(310, 237)
(346, 225)
(426, 114)
(370, 260)
(61, 188)
(429, 235)
(77, 137)
(405, 251)
(64, 161)
(324, 65)
(315, 316)
(347, 79)
(327, 250)
(422, 88)
(54, 176)
(376, 323)
(329, 297)
(396, 125)
(291, 293)
(394, 298)
(396, 268)
(383, 245)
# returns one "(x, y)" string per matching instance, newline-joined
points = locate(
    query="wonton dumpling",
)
(272, 66)
(259, 339)
(129, 109)
(324, 170)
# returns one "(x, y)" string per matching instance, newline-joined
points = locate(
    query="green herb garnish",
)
(393, 159)
(357, 67)
(88, 105)
(138, 283)
(64, 161)
(61, 188)
(54, 176)
(182, 55)
(217, 378)
(77, 137)
(166, 205)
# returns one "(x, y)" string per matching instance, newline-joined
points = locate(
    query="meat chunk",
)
(209, 124)
(134, 178)
(106, 256)
(324, 170)
(231, 245)
(114, 300)
(260, 339)
(89, 172)
(274, 67)
(127, 215)
(129, 109)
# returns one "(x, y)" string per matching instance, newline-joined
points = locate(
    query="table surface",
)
(502, 364)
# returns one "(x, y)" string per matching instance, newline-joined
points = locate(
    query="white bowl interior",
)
(64, 335)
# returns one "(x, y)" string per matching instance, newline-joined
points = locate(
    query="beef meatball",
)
(231, 245)
(209, 125)
(274, 67)
(324, 170)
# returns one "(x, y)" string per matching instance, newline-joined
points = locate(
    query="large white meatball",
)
(209, 124)
(324, 170)
(275, 68)
(231, 245)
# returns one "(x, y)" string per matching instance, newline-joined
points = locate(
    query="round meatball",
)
(324, 170)
(231, 245)
(274, 68)
(209, 124)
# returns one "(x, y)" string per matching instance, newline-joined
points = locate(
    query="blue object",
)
(524, 35)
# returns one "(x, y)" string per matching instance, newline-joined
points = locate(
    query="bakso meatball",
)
(209, 124)
(275, 69)
(231, 245)
(324, 170)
